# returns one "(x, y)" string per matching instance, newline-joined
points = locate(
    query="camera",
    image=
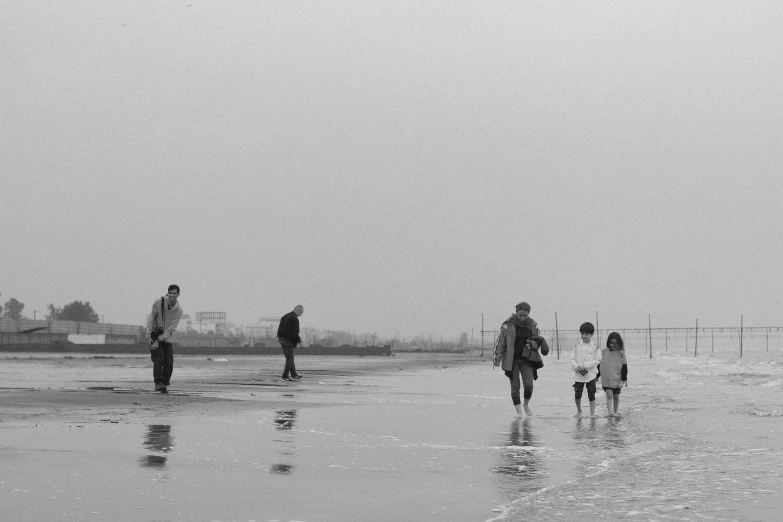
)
(155, 333)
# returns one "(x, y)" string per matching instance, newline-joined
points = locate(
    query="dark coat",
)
(532, 356)
(289, 328)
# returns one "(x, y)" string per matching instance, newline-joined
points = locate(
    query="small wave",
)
(531, 449)
(747, 374)
(760, 413)
(670, 375)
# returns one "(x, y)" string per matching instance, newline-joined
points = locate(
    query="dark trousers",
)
(162, 363)
(521, 368)
(579, 386)
(290, 367)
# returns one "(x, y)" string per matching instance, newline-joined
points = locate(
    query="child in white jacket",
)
(585, 363)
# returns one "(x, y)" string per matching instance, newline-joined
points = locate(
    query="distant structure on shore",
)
(217, 321)
(266, 327)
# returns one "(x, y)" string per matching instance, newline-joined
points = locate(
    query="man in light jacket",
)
(161, 326)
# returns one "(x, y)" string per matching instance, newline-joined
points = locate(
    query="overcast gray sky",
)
(393, 166)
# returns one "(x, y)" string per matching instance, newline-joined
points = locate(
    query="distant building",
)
(265, 327)
(211, 321)
(185, 323)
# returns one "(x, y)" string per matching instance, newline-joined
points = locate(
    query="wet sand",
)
(77, 387)
(85, 437)
(412, 437)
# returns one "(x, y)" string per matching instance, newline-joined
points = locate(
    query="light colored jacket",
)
(161, 316)
(588, 356)
(612, 364)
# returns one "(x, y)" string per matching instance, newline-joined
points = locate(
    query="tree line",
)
(73, 311)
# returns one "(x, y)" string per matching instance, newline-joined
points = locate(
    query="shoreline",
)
(222, 384)
(184, 349)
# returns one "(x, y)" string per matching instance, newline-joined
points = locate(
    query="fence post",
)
(742, 318)
(649, 327)
(482, 335)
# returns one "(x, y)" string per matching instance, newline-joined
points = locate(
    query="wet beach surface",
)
(411, 437)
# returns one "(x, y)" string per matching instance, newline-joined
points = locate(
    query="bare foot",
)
(578, 415)
(528, 411)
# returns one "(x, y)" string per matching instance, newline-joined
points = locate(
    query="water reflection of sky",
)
(157, 439)
(438, 437)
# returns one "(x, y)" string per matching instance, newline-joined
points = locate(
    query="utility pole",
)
(482, 334)
(557, 337)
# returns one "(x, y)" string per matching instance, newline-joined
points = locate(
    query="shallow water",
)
(698, 439)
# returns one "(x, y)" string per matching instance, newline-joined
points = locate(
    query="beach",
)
(409, 437)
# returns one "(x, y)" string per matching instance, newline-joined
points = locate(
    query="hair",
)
(523, 306)
(616, 337)
(174, 287)
(299, 307)
(587, 328)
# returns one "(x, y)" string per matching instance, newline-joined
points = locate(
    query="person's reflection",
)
(585, 432)
(281, 469)
(599, 436)
(284, 420)
(615, 434)
(158, 439)
(522, 466)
